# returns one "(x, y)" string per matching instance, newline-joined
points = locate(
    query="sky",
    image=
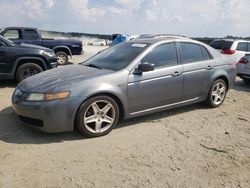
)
(194, 18)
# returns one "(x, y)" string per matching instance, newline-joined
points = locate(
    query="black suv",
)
(19, 61)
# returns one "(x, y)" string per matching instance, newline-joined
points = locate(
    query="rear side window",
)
(31, 34)
(191, 52)
(242, 46)
(163, 55)
(205, 53)
(12, 34)
(221, 45)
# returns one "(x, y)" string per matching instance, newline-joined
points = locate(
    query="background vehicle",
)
(23, 60)
(62, 47)
(98, 43)
(130, 79)
(243, 68)
(235, 48)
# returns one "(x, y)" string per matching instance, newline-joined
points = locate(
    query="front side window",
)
(242, 46)
(191, 52)
(31, 34)
(12, 34)
(117, 57)
(163, 55)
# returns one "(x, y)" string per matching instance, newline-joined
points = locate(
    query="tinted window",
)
(205, 53)
(191, 52)
(248, 49)
(12, 34)
(118, 56)
(31, 34)
(221, 45)
(162, 55)
(242, 46)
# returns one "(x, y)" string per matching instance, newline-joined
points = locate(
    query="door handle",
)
(209, 67)
(176, 73)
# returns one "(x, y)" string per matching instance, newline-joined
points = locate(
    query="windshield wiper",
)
(93, 65)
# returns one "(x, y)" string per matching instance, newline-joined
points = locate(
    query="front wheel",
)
(26, 70)
(97, 116)
(62, 58)
(217, 93)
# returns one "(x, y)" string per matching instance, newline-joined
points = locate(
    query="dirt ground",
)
(192, 146)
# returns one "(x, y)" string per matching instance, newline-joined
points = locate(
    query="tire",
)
(101, 120)
(62, 58)
(26, 70)
(216, 94)
(246, 81)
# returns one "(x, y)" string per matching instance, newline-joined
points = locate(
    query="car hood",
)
(62, 78)
(24, 45)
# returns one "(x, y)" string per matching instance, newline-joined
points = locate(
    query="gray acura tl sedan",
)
(131, 79)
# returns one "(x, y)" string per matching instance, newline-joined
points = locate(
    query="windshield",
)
(7, 41)
(221, 45)
(117, 57)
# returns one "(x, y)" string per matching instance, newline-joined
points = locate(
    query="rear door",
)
(159, 87)
(197, 69)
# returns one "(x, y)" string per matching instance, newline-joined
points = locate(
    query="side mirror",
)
(144, 67)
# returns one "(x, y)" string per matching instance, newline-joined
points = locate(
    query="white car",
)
(98, 43)
(243, 68)
(235, 48)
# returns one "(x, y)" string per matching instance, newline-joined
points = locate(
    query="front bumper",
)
(47, 116)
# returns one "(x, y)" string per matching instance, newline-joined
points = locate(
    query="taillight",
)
(243, 61)
(229, 52)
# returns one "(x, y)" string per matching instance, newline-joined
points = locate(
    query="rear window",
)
(31, 34)
(221, 45)
(242, 46)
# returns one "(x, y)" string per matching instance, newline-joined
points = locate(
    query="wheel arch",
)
(222, 77)
(109, 94)
(22, 60)
(64, 49)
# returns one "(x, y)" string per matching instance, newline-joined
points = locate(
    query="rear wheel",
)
(246, 81)
(217, 93)
(26, 70)
(62, 58)
(97, 116)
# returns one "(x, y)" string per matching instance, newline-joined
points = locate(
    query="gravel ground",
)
(192, 146)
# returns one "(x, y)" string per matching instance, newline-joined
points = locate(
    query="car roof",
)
(19, 28)
(232, 40)
(164, 38)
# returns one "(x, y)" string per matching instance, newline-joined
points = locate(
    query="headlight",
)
(47, 96)
(48, 53)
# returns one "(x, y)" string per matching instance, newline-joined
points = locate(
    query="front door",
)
(4, 53)
(159, 87)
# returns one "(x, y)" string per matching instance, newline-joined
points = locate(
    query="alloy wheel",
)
(218, 93)
(99, 116)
